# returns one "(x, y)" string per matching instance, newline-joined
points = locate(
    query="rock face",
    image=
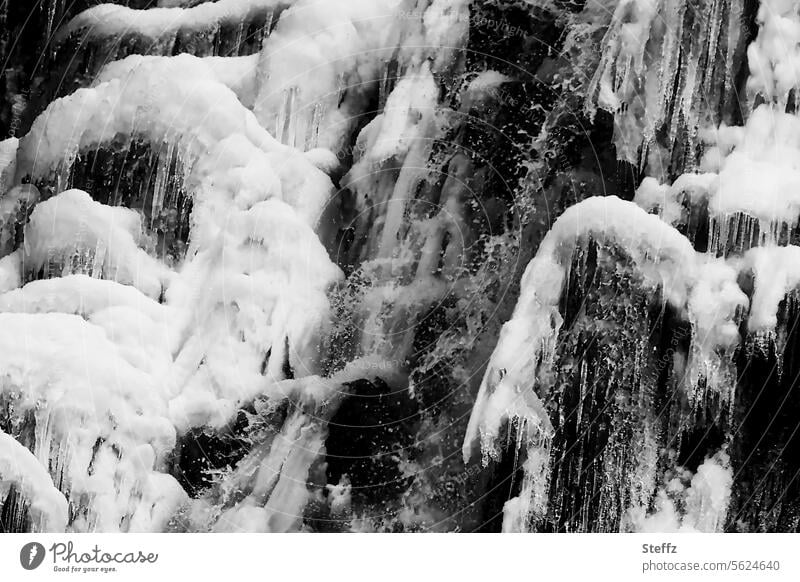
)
(399, 265)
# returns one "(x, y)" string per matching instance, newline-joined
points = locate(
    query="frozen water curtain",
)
(400, 265)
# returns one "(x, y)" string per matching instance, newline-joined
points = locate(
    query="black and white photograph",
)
(399, 266)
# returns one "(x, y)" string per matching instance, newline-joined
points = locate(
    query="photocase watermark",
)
(31, 555)
(480, 21)
(19, 103)
(378, 364)
(461, 477)
(67, 559)
(477, 20)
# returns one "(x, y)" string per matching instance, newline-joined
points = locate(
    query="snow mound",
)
(101, 422)
(71, 233)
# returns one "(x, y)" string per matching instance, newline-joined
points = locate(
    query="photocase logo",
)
(31, 555)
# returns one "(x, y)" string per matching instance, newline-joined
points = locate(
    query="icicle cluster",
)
(774, 57)
(666, 66)
(690, 503)
(521, 365)
(659, 62)
(242, 319)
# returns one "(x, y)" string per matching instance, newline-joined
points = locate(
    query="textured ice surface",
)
(111, 357)
(111, 21)
(246, 311)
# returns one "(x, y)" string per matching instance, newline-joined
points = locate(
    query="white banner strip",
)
(407, 558)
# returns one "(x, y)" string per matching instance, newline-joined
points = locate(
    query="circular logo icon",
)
(31, 555)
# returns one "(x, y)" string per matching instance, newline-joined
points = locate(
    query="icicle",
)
(521, 513)
(214, 39)
(284, 119)
(163, 164)
(238, 39)
(52, 7)
(266, 30)
(715, 306)
(316, 120)
(384, 89)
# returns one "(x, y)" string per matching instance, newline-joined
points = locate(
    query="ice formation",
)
(314, 97)
(704, 290)
(20, 470)
(744, 182)
(775, 275)
(101, 428)
(773, 57)
(691, 503)
(665, 64)
(255, 220)
(236, 73)
(244, 316)
(157, 29)
(8, 161)
(71, 233)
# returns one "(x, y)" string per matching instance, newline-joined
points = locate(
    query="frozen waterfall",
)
(400, 265)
